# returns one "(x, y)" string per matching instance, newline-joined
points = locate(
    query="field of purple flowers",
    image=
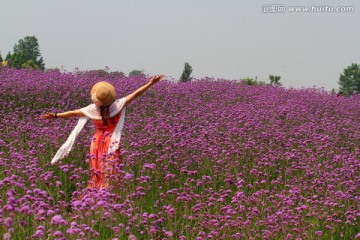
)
(209, 159)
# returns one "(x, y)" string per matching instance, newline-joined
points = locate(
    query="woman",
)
(108, 115)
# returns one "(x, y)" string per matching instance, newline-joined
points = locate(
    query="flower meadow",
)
(207, 159)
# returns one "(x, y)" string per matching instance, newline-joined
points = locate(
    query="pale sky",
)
(228, 39)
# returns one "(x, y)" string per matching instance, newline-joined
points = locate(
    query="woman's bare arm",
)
(131, 97)
(68, 114)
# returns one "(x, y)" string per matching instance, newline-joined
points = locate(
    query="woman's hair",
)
(105, 114)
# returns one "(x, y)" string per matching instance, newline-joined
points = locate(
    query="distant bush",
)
(249, 81)
(136, 73)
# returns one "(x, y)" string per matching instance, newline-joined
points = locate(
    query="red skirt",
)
(104, 167)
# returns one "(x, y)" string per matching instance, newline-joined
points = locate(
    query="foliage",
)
(252, 82)
(261, 83)
(206, 160)
(55, 69)
(116, 74)
(104, 73)
(4, 64)
(186, 74)
(30, 65)
(136, 72)
(275, 80)
(8, 56)
(100, 72)
(249, 81)
(349, 80)
(27, 49)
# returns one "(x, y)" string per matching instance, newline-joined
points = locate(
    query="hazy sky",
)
(229, 39)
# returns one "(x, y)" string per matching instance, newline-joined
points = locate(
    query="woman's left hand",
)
(156, 78)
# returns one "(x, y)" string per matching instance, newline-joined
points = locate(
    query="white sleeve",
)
(90, 111)
(120, 103)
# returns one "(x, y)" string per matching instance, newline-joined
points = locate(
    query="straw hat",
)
(103, 92)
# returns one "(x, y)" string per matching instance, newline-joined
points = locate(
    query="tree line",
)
(26, 54)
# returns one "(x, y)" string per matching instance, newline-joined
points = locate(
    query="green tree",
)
(1, 59)
(16, 60)
(349, 81)
(136, 73)
(275, 80)
(25, 50)
(8, 57)
(186, 74)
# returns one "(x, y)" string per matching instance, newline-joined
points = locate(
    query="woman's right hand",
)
(49, 115)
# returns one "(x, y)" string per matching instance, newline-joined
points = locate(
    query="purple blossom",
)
(8, 222)
(207, 159)
(6, 236)
(38, 234)
(58, 220)
(58, 234)
(168, 233)
(132, 237)
(128, 176)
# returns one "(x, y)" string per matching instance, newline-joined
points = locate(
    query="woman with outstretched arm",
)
(108, 114)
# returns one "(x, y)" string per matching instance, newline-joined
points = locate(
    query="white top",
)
(92, 112)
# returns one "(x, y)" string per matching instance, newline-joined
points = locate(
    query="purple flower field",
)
(209, 159)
